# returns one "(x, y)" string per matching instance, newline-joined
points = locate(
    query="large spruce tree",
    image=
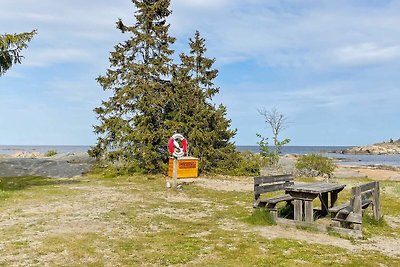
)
(154, 98)
(132, 120)
(201, 121)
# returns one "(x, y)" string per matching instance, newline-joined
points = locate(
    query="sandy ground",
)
(387, 245)
(376, 173)
(81, 212)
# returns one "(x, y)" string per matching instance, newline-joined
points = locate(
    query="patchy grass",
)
(134, 220)
(260, 216)
(24, 182)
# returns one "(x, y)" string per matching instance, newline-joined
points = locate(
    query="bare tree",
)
(275, 120)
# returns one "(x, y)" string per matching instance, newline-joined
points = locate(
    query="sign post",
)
(177, 150)
(175, 173)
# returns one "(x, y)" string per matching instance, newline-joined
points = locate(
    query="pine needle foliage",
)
(153, 98)
(11, 46)
(204, 123)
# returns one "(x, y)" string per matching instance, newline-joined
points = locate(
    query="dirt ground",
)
(377, 173)
(388, 246)
(85, 205)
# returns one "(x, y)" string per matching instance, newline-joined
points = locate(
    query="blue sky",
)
(332, 67)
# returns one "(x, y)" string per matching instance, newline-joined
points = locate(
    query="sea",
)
(328, 151)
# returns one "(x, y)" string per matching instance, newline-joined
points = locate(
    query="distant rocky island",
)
(385, 148)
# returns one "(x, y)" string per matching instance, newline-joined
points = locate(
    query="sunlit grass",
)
(157, 227)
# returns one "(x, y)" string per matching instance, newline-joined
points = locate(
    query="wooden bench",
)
(266, 184)
(350, 213)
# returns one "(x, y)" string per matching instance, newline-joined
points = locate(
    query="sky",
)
(331, 67)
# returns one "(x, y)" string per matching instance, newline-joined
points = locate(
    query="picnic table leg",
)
(334, 197)
(308, 211)
(298, 209)
(324, 204)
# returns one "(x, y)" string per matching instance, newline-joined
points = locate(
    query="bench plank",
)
(275, 200)
(271, 188)
(271, 179)
(335, 209)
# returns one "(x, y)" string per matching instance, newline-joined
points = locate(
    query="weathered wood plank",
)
(317, 188)
(308, 211)
(367, 186)
(335, 209)
(271, 188)
(298, 209)
(272, 179)
(321, 227)
(275, 200)
(376, 203)
(324, 203)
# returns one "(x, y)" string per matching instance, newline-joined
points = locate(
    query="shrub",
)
(315, 165)
(50, 153)
(243, 164)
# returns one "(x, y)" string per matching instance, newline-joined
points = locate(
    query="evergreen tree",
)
(11, 46)
(196, 117)
(132, 124)
(154, 98)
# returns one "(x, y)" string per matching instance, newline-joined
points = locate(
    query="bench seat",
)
(268, 184)
(336, 209)
(341, 213)
(275, 200)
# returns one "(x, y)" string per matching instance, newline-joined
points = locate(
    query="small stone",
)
(168, 185)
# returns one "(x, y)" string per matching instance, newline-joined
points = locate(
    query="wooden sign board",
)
(188, 167)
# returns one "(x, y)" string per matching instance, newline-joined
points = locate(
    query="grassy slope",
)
(130, 221)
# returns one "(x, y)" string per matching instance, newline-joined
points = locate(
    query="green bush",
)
(249, 164)
(242, 164)
(50, 153)
(314, 165)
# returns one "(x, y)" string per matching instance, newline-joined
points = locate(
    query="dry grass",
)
(131, 221)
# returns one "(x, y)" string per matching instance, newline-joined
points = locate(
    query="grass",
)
(134, 220)
(50, 153)
(260, 217)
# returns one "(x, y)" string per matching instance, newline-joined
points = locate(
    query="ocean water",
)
(389, 160)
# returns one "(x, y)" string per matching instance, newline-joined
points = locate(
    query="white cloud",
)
(46, 57)
(367, 53)
(204, 4)
(292, 33)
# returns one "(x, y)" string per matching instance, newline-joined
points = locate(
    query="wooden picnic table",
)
(304, 194)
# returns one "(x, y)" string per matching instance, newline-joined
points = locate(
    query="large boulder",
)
(376, 149)
(60, 166)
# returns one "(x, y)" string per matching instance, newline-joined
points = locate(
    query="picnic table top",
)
(315, 188)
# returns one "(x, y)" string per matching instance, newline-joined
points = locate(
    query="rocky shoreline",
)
(386, 148)
(64, 165)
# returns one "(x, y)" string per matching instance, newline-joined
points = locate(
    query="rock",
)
(376, 149)
(26, 154)
(48, 167)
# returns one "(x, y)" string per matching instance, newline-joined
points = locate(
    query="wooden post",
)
(324, 203)
(356, 192)
(334, 197)
(376, 202)
(308, 211)
(175, 173)
(298, 209)
(357, 209)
